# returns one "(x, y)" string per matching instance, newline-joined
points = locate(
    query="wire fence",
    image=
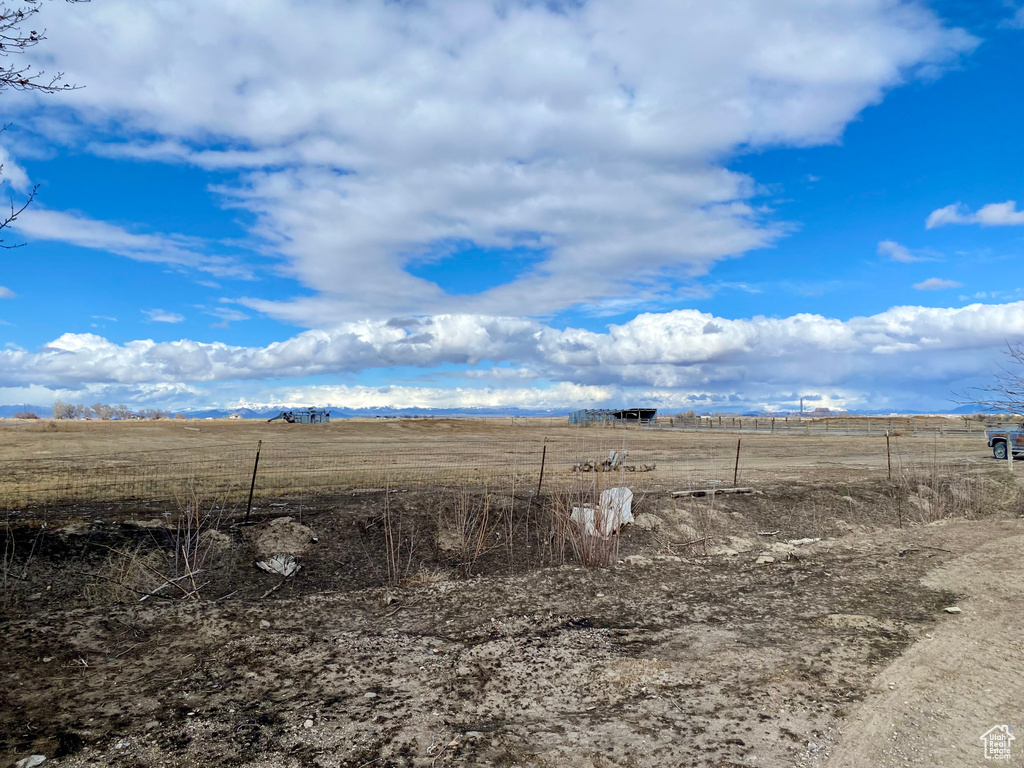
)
(643, 460)
(839, 425)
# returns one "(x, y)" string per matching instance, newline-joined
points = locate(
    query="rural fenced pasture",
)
(424, 572)
(120, 464)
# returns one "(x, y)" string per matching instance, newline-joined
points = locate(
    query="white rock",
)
(30, 762)
(307, 724)
(765, 560)
(613, 512)
(952, 609)
(281, 563)
(264, 624)
(370, 695)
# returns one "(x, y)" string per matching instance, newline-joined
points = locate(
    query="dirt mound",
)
(282, 534)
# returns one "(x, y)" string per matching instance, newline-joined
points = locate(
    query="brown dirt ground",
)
(931, 705)
(836, 653)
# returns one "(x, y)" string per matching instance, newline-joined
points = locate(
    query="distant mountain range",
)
(43, 412)
(265, 411)
(269, 411)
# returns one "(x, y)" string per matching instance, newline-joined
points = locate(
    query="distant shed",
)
(304, 416)
(605, 416)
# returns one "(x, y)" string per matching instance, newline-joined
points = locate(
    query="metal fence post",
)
(543, 458)
(252, 486)
(736, 468)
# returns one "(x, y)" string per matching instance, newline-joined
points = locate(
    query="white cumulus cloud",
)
(683, 354)
(368, 138)
(991, 215)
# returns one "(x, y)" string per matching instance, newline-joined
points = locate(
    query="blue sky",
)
(469, 204)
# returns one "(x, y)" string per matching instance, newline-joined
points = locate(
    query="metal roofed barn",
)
(304, 416)
(605, 416)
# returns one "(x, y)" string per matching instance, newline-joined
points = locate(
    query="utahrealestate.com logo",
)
(997, 742)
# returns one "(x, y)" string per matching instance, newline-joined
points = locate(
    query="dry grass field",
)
(446, 612)
(45, 462)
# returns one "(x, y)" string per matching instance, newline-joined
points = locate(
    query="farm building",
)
(590, 416)
(304, 416)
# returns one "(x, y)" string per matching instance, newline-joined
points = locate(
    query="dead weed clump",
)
(467, 527)
(947, 492)
(125, 576)
(569, 532)
(141, 572)
(401, 542)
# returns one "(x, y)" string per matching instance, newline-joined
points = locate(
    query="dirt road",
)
(932, 705)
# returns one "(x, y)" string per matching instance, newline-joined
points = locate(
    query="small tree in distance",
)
(62, 410)
(103, 411)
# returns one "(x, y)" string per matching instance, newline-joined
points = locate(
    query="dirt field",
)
(801, 624)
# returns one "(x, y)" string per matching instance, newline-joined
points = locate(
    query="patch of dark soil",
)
(703, 661)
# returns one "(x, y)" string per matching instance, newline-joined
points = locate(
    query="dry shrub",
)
(7, 564)
(125, 576)
(194, 542)
(129, 575)
(933, 492)
(592, 550)
(401, 538)
(468, 527)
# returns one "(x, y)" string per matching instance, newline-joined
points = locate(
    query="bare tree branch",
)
(14, 40)
(1006, 393)
(14, 214)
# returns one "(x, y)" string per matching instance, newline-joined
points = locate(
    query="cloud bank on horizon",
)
(467, 203)
(677, 358)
